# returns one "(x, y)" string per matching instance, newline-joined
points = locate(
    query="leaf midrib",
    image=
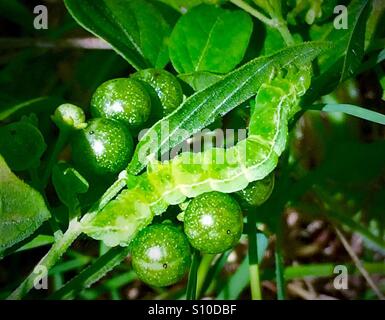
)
(205, 48)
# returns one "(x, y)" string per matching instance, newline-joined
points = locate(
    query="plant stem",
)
(64, 242)
(254, 12)
(203, 270)
(279, 268)
(256, 292)
(192, 277)
(276, 21)
(48, 261)
(255, 284)
(285, 33)
(78, 43)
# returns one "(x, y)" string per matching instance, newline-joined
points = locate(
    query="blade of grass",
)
(203, 270)
(192, 277)
(28, 244)
(57, 280)
(315, 270)
(39, 241)
(352, 110)
(279, 269)
(255, 286)
(70, 265)
(93, 273)
(111, 285)
(326, 270)
(237, 282)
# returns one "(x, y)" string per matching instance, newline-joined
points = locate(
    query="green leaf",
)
(344, 59)
(349, 43)
(28, 243)
(22, 145)
(202, 108)
(22, 209)
(352, 110)
(381, 78)
(200, 80)
(68, 183)
(134, 28)
(373, 28)
(39, 241)
(273, 41)
(41, 104)
(17, 12)
(356, 41)
(210, 39)
(237, 282)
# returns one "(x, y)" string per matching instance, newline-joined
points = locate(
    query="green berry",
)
(166, 86)
(104, 147)
(69, 116)
(122, 99)
(21, 145)
(257, 192)
(161, 255)
(213, 222)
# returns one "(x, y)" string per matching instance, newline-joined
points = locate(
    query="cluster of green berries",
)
(119, 108)
(213, 223)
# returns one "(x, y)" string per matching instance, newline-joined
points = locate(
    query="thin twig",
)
(254, 12)
(276, 21)
(358, 264)
(80, 43)
(301, 292)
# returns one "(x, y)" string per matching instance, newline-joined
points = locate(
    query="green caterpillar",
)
(217, 169)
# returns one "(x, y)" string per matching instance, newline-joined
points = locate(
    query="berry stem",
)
(191, 291)
(203, 270)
